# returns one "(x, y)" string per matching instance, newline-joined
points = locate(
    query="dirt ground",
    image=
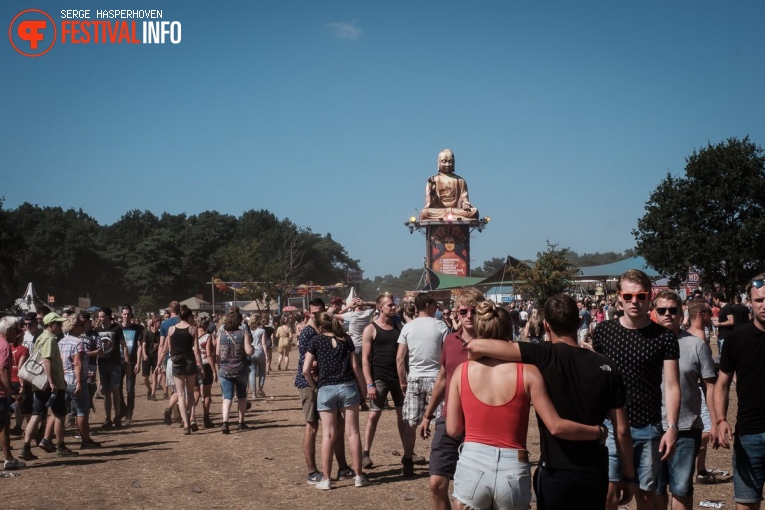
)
(152, 465)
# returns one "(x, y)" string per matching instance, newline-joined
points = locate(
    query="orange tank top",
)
(501, 426)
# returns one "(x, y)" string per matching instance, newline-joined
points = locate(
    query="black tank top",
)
(181, 342)
(384, 348)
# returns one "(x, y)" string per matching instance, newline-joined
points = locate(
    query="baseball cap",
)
(52, 317)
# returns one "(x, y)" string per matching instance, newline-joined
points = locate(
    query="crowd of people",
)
(627, 394)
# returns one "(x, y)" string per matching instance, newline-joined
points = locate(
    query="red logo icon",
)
(32, 33)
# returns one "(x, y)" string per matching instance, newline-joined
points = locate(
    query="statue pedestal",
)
(447, 246)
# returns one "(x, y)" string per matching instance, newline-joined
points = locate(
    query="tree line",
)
(148, 260)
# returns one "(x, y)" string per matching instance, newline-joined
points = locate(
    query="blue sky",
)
(563, 116)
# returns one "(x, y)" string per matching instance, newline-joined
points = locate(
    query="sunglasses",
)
(639, 295)
(464, 311)
(672, 310)
(757, 284)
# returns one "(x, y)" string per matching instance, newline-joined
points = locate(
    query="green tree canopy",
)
(712, 219)
(551, 274)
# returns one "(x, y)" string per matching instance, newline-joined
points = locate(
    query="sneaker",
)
(345, 473)
(314, 477)
(46, 445)
(194, 426)
(168, 417)
(361, 481)
(407, 467)
(107, 424)
(261, 393)
(419, 459)
(249, 406)
(63, 451)
(16, 431)
(12, 464)
(129, 418)
(225, 429)
(208, 424)
(243, 426)
(27, 455)
(366, 462)
(325, 484)
(89, 445)
(118, 424)
(70, 421)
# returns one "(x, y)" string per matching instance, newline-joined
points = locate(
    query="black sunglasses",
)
(464, 311)
(639, 295)
(672, 310)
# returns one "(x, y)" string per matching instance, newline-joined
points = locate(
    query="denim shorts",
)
(490, 477)
(110, 375)
(677, 471)
(646, 456)
(748, 467)
(338, 396)
(384, 387)
(227, 385)
(79, 404)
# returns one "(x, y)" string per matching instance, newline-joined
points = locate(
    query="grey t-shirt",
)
(356, 322)
(695, 362)
(424, 336)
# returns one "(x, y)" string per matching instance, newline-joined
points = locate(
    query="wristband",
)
(672, 426)
(370, 385)
(721, 420)
(430, 417)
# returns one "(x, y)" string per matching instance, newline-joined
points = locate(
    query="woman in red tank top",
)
(492, 408)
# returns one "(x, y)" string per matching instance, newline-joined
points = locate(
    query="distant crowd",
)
(627, 393)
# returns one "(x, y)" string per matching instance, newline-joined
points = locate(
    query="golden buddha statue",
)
(446, 194)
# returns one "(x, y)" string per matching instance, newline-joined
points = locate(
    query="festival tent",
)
(260, 306)
(195, 304)
(29, 300)
(616, 269)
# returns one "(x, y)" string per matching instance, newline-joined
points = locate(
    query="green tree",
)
(489, 267)
(551, 274)
(10, 240)
(712, 219)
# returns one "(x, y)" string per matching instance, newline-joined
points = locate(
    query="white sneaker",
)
(12, 464)
(324, 484)
(361, 481)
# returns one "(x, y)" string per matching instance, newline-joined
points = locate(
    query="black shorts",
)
(41, 398)
(26, 404)
(444, 451)
(208, 372)
(149, 365)
(558, 488)
(5, 412)
(184, 366)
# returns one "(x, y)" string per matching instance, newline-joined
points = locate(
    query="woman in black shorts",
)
(184, 352)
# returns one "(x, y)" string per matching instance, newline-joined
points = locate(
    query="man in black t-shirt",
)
(111, 344)
(585, 387)
(133, 334)
(744, 357)
(725, 321)
(645, 353)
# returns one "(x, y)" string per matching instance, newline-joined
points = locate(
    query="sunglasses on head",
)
(672, 310)
(464, 311)
(757, 284)
(627, 296)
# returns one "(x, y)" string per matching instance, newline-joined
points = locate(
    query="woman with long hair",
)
(341, 386)
(489, 401)
(535, 329)
(259, 358)
(210, 375)
(284, 344)
(234, 345)
(187, 361)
